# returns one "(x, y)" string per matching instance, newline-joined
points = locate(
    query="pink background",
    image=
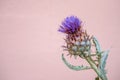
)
(30, 46)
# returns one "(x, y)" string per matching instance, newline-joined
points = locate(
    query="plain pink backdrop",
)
(30, 45)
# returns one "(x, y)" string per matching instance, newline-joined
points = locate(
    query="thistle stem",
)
(96, 69)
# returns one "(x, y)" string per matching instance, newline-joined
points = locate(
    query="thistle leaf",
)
(103, 60)
(76, 68)
(95, 41)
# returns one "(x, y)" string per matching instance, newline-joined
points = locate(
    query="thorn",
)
(68, 54)
(64, 46)
(75, 56)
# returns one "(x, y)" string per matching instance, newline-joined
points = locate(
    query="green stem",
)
(95, 68)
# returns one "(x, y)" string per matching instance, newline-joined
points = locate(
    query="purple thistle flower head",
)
(70, 25)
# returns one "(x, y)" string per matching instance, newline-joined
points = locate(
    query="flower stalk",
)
(95, 68)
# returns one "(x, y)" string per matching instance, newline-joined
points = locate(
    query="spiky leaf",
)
(76, 68)
(103, 60)
(97, 45)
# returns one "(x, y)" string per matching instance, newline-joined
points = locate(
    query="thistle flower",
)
(70, 25)
(77, 40)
